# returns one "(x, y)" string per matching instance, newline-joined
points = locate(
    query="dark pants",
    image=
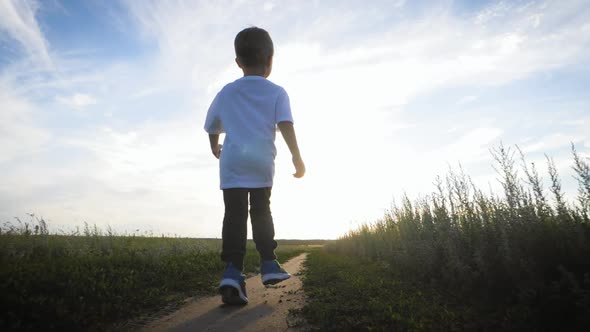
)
(235, 225)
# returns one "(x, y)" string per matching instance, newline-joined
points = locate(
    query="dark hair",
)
(253, 46)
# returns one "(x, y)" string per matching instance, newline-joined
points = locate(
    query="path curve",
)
(268, 309)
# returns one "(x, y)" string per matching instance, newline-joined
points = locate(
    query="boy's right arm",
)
(214, 126)
(288, 133)
(215, 146)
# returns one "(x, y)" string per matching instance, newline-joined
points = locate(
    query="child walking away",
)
(248, 111)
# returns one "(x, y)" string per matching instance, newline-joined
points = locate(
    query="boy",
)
(249, 110)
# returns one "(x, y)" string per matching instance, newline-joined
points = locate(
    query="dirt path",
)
(268, 309)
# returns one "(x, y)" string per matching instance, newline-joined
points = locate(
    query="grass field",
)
(460, 259)
(98, 280)
(456, 260)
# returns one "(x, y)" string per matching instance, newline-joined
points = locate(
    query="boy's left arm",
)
(215, 146)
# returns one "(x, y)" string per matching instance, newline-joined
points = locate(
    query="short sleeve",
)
(213, 124)
(283, 108)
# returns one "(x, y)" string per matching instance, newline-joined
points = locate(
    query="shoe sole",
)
(231, 296)
(274, 278)
(231, 293)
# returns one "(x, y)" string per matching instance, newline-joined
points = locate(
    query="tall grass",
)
(522, 257)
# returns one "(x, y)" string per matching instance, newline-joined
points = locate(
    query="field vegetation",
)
(98, 280)
(463, 259)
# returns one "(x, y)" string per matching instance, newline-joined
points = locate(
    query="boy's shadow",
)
(226, 317)
(231, 307)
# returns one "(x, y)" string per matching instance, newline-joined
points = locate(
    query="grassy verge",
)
(348, 294)
(96, 281)
(520, 261)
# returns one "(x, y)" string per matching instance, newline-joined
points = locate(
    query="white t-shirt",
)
(247, 111)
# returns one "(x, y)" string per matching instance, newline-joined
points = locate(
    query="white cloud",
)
(383, 68)
(19, 134)
(269, 5)
(555, 141)
(493, 12)
(145, 92)
(582, 121)
(17, 20)
(77, 100)
(397, 65)
(467, 146)
(466, 100)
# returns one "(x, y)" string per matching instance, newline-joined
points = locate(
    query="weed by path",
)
(346, 293)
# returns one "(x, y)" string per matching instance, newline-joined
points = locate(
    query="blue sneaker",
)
(233, 286)
(272, 273)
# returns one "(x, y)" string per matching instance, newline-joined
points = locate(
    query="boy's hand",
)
(299, 167)
(217, 150)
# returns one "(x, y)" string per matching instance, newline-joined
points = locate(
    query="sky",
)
(102, 104)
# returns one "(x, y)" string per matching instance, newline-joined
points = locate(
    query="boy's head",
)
(254, 51)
